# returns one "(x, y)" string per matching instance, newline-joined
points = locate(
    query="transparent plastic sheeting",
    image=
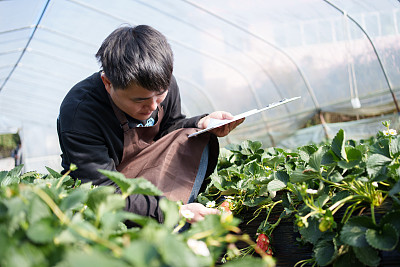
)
(340, 56)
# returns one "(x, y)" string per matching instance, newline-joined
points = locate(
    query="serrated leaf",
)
(10, 179)
(53, 173)
(367, 255)
(281, 176)
(141, 253)
(354, 158)
(97, 195)
(338, 145)
(393, 218)
(394, 147)
(75, 198)
(395, 189)
(335, 177)
(375, 163)
(275, 185)
(385, 238)
(38, 210)
(316, 159)
(42, 231)
(311, 233)
(16, 171)
(171, 212)
(91, 258)
(353, 232)
(132, 186)
(299, 176)
(250, 262)
(324, 252)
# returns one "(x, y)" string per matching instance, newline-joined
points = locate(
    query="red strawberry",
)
(263, 243)
(226, 206)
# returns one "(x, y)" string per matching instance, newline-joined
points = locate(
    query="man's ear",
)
(106, 82)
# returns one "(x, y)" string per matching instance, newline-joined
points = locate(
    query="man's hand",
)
(222, 130)
(199, 211)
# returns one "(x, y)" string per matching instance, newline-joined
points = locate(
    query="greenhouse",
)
(338, 60)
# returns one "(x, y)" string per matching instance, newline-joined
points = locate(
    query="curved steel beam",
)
(373, 47)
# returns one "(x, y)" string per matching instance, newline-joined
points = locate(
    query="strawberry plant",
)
(342, 195)
(52, 220)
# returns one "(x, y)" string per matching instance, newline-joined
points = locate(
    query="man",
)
(127, 117)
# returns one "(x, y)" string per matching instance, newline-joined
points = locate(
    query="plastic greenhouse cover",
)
(338, 55)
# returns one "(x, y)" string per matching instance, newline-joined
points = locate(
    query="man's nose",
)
(153, 103)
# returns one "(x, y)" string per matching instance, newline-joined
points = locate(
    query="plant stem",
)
(65, 220)
(373, 213)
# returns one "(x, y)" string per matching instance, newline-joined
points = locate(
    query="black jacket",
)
(90, 135)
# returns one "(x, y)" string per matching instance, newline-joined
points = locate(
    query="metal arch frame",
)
(197, 87)
(373, 47)
(216, 38)
(188, 47)
(26, 46)
(302, 75)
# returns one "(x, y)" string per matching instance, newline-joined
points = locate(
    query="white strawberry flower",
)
(385, 133)
(311, 191)
(210, 204)
(392, 132)
(187, 214)
(198, 247)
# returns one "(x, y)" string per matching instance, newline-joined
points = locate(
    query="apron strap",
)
(120, 115)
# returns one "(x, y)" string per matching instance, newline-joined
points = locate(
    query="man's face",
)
(136, 101)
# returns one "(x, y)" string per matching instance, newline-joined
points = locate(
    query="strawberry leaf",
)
(385, 238)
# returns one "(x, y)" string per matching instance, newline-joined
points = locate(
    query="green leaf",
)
(76, 198)
(335, 177)
(281, 176)
(311, 233)
(142, 253)
(91, 257)
(385, 238)
(394, 147)
(42, 231)
(347, 260)
(299, 176)
(171, 212)
(16, 171)
(3, 175)
(354, 158)
(10, 179)
(338, 145)
(250, 262)
(176, 253)
(393, 218)
(306, 151)
(97, 195)
(325, 252)
(38, 210)
(395, 189)
(353, 232)
(316, 158)
(132, 185)
(367, 255)
(54, 173)
(375, 163)
(276, 185)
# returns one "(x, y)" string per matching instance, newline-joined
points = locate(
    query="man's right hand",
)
(199, 211)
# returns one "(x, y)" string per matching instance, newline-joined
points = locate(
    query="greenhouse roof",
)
(339, 56)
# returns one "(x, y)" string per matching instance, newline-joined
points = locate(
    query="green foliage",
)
(52, 220)
(332, 191)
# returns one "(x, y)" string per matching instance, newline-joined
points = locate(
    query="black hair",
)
(137, 55)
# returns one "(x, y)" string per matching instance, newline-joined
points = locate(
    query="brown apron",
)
(170, 163)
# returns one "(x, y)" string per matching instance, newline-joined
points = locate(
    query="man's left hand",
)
(222, 130)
